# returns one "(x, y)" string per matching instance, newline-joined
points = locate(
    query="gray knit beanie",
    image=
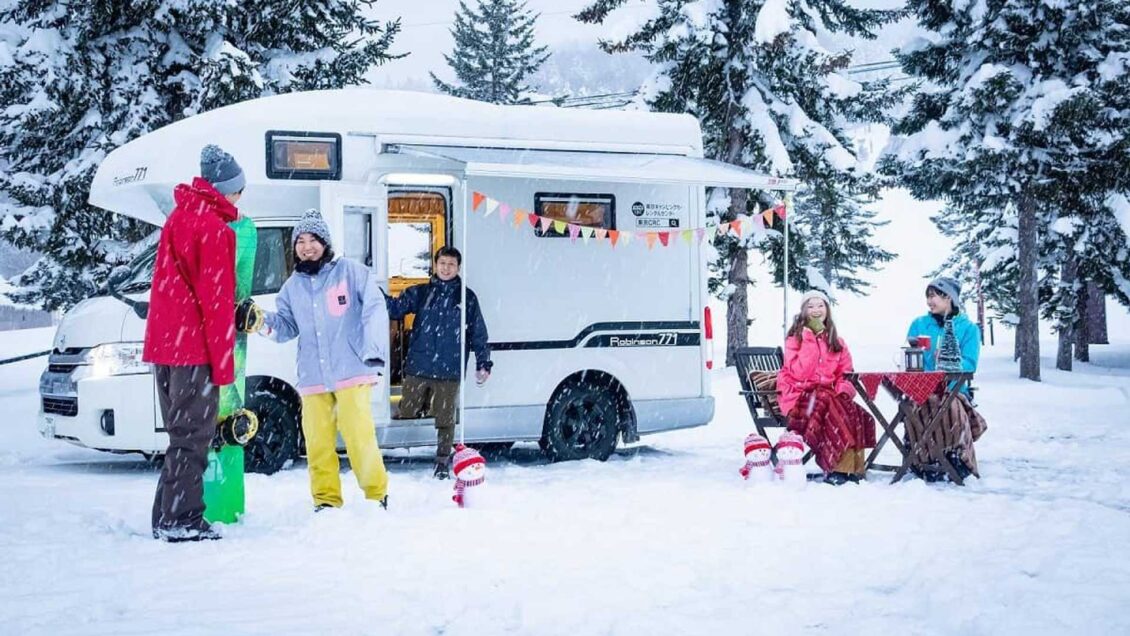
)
(312, 223)
(221, 170)
(948, 286)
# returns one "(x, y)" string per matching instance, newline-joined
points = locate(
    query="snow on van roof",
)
(137, 176)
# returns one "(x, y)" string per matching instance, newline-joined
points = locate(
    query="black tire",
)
(581, 422)
(277, 441)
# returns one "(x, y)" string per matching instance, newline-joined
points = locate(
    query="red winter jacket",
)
(192, 303)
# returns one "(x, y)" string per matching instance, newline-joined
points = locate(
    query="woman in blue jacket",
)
(961, 424)
(338, 313)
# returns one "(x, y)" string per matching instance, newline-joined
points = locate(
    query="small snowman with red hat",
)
(757, 467)
(790, 460)
(470, 474)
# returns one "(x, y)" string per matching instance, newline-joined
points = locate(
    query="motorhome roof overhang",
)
(620, 167)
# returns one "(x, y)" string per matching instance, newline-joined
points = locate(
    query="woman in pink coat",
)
(817, 399)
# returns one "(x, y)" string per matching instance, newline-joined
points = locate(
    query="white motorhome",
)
(590, 344)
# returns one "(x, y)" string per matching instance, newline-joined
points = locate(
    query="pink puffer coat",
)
(809, 364)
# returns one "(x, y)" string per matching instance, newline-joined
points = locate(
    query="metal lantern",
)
(914, 358)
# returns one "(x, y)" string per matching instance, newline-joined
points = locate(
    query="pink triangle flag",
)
(545, 222)
(574, 230)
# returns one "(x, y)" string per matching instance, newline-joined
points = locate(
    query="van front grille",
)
(66, 406)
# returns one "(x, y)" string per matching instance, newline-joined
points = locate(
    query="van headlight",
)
(119, 358)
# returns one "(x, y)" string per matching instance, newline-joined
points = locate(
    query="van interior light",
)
(424, 179)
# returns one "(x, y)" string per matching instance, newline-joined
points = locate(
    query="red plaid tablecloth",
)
(918, 386)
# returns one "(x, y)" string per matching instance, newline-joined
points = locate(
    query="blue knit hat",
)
(948, 286)
(220, 169)
(312, 223)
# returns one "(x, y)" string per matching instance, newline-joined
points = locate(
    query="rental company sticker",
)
(657, 215)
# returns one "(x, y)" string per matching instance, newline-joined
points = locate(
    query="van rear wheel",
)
(276, 443)
(581, 422)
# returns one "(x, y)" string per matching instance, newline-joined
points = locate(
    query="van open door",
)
(357, 216)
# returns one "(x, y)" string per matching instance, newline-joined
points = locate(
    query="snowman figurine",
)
(757, 464)
(790, 460)
(470, 474)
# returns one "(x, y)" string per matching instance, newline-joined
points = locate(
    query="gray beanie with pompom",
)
(221, 170)
(312, 223)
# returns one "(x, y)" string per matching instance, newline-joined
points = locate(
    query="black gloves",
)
(248, 317)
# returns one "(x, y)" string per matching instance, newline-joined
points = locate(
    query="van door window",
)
(274, 259)
(358, 241)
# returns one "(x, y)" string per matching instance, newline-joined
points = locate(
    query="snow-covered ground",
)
(664, 538)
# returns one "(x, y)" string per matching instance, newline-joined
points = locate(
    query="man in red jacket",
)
(190, 337)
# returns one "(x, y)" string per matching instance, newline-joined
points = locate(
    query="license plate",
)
(47, 426)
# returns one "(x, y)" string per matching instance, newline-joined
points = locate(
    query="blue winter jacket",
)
(433, 347)
(341, 322)
(968, 339)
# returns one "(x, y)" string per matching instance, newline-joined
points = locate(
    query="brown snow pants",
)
(440, 398)
(189, 404)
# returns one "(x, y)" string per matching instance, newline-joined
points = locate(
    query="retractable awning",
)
(623, 167)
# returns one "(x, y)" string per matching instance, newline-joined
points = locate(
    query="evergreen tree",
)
(494, 52)
(79, 79)
(1025, 117)
(769, 97)
(839, 230)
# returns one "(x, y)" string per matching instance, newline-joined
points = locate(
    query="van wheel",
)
(276, 443)
(581, 422)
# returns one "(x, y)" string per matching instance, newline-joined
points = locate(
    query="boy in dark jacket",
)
(432, 367)
(190, 337)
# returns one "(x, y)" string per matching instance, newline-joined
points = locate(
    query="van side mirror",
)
(118, 275)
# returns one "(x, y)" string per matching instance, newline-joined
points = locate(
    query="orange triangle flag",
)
(519, 216)
(768, 215)
(736, 226)
(651, 236)
(477, 200)
(614, 235)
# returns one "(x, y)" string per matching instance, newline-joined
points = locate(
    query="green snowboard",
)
(223, 479)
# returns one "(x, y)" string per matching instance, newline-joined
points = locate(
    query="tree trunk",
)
(1066, 328)
(1028, 331)
(737, 305)
(1096, 315)
(1082, 324)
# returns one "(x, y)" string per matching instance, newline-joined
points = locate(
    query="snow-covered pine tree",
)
(79, 79)
(839, 229)
(494, 53)
(1024, 113)
(771, 98)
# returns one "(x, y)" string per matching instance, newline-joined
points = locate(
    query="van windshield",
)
(274, 258)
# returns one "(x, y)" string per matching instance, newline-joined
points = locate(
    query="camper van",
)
(592, 344)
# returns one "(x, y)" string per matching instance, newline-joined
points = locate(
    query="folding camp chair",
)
(757, 373)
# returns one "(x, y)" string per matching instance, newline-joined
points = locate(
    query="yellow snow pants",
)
(348, 411)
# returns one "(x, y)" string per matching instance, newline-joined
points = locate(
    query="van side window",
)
(586, 210)
(274, 258)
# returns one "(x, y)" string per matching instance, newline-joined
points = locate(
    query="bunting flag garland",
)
(744, 225)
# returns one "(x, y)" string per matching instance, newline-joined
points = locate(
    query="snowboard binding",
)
(237, 429)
